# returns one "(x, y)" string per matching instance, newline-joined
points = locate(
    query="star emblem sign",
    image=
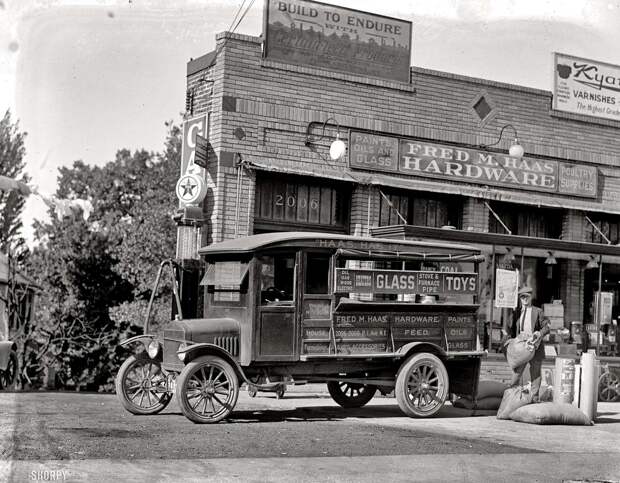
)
(188, 188)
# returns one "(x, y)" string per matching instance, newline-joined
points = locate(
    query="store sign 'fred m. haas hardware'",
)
(405, 282)
(335, 38)
(420, 158)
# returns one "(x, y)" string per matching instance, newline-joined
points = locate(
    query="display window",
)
(297, 203)
(526, 220)
(420, 209)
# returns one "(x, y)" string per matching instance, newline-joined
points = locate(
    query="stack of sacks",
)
(488, 396)
(516, 405)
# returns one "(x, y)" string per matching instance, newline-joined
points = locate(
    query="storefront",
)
(426, 158)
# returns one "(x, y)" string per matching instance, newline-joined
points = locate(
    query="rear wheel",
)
(608, 387)
(207, 389)
(421, 385)
(141, 385)
(8, 376)
(351, 394)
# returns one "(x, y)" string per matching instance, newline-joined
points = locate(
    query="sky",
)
(85, 78)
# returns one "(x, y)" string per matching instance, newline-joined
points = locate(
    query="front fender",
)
(190, 352)
(420, 346)
(6, 346)
(145, 340)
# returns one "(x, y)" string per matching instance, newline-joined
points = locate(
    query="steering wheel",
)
(272, 294)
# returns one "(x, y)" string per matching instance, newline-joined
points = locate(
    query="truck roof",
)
(294, 239)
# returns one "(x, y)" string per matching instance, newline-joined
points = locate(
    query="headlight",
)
(181, 355)
(153, 349)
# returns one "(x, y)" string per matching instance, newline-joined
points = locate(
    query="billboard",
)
(588, 87)
(335, 38)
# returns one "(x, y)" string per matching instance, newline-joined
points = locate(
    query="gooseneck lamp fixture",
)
(550, 260)
(592, 263)
(509, 257)
(338, 148)
(515, 150)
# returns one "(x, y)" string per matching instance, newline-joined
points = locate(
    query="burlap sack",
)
(519, 351)
(486, 403)
(514, 398)
(551, 413)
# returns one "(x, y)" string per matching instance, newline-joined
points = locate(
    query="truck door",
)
(276, 326)
(316, 304)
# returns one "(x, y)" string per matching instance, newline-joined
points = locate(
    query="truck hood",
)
(204, 330)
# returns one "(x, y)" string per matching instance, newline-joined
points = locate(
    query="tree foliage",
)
(12, 164)
(97, 274)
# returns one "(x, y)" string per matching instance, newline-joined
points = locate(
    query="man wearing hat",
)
(529, 320)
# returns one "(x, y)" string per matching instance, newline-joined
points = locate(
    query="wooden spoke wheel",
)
(207, 389)
(141, 385)
(350, 394)
(421, 385)
(8, 376)
(609, 387)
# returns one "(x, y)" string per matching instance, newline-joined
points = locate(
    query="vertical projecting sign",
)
(191, 188)
(335, 38)
(191, 128)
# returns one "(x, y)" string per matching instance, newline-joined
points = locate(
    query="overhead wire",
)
(233, 26)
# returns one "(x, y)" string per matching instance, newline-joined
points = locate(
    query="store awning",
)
(533, 198)
(277, 166)
(534, 246)
(488, 193)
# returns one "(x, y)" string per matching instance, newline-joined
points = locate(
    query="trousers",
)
(535, 375)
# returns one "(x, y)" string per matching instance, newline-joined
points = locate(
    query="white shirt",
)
(525, 321)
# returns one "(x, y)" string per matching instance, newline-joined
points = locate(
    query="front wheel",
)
(350, 394)
(207, 389)
(141, 385)
(8, 376)
(421, 385)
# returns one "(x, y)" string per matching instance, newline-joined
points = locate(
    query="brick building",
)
(270, 126)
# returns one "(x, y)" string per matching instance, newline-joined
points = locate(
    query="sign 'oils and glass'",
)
(439, 161)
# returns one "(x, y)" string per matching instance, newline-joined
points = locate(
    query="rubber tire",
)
(120, 387)
(606, 382)
(335, 391)
(402, 392)
(11, 384)
(189, 370)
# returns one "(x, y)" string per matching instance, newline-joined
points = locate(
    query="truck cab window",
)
(317, 274)
(277, 279)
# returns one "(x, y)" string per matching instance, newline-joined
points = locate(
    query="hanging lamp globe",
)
(337, 149)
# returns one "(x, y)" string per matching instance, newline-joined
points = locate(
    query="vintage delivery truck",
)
(359, 314)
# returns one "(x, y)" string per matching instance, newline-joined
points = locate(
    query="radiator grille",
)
(230, 344)
(172, 341)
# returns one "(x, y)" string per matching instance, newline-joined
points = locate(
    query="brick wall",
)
(273, 103)
(475, 215)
